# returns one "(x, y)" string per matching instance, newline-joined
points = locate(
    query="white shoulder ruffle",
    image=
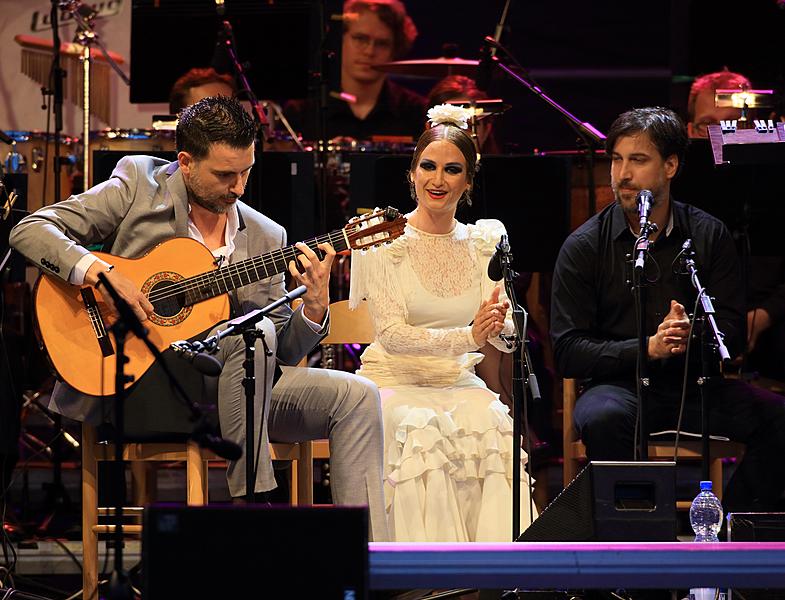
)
(485, 234)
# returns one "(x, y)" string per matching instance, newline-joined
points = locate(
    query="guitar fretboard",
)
(225, 279)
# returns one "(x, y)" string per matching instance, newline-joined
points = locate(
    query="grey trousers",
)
(307, 404)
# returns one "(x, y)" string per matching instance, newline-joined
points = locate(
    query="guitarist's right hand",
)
(125, 288)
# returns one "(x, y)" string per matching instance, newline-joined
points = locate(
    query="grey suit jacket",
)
(143, 204)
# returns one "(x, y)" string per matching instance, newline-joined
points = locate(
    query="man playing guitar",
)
(145, 204)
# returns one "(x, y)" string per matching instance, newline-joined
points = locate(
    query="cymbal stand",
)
(86, 36)
(591, 137)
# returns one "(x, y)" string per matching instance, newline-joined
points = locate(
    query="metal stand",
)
(523, 377)
(226, 35)
(119, 587)
(246, 326)
(639, 290)
(592, 137)
(712, 343)
(86, 36)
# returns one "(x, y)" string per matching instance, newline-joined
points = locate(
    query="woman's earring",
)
(467, 197)
(412, 191)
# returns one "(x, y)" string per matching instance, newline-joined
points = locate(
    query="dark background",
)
(596, 59)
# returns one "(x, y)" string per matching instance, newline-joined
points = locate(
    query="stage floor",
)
(562, 565)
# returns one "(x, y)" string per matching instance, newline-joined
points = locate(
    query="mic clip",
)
(190, 349)
(509, 340)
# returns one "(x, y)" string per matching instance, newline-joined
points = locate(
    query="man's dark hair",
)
(664, 127)
(214, 120)
(195, 78)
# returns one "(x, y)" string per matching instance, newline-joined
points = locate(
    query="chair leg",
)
(89, 515)
(294, 480)
(305, 473)
(196, 476)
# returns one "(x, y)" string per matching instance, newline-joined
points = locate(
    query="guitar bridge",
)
(97, 321)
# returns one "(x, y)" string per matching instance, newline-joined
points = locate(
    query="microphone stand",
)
(639, 289)
(246, 326)
(711, 338)
(592, 137)
(86, 36)
(523, 376)
(57, 73)
(128, 322)
(229, 43)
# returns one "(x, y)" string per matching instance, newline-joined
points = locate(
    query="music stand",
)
(763, 145)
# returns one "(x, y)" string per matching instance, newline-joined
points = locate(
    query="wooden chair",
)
(346, 327)
(196, 460)
(575, 451)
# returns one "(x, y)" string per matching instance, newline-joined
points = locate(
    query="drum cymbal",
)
(482, 108)
(430, 68)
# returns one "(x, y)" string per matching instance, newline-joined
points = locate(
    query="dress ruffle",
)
(435, 456)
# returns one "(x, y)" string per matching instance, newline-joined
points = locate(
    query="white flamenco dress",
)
(447, 437)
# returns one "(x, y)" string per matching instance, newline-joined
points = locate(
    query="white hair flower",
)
(449, 113)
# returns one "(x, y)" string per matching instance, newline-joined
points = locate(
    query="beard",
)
(215, 203)
(627, 197)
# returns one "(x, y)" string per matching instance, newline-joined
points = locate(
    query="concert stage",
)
(583, 565)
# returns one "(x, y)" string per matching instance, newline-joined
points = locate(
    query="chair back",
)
(349, 326)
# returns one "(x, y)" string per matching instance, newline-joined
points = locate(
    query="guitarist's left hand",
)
(315, 276)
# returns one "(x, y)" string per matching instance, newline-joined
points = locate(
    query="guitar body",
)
(75, 334)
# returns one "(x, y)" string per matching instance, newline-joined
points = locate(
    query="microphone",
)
(495, 271)
(195, 354)
(645, 201)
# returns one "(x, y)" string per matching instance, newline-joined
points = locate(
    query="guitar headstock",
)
(381, 226)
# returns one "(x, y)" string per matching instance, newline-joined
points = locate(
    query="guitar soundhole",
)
(171, 301)
(168, 299)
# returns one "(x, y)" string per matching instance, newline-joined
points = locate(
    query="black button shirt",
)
(593, 320)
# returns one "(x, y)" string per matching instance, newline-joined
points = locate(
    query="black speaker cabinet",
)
(247, 551)
(612, 502)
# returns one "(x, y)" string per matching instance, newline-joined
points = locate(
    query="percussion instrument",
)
(33, 153)
(430, 68)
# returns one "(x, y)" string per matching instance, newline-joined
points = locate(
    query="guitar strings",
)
(236, 270)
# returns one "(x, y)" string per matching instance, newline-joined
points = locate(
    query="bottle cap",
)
(705, 486)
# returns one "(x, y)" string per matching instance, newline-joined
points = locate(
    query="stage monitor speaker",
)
(612, 502)
(247, 551)
(756, 527)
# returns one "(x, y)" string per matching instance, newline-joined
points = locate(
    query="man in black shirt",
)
(594, 324)
(375, 32)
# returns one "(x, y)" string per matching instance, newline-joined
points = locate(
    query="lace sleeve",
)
(376, 277)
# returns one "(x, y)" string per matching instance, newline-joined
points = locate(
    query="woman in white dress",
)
(448, 438)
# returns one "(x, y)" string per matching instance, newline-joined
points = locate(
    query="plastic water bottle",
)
(706, 520)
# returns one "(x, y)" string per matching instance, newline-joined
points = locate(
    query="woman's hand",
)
(489, 320)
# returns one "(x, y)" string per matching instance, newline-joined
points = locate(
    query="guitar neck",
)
(245, 272)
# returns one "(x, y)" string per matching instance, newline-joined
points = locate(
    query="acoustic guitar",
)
(188, 291)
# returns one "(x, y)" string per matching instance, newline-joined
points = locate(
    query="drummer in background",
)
(459, 87)
(375, 32)
(197, 84)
